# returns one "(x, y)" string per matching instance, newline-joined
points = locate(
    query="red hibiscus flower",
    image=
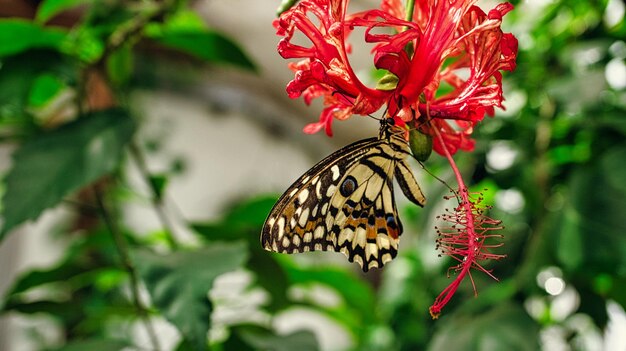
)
(443, 61)
(447, 60)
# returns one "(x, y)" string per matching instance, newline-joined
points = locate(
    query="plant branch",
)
(157, 198)
(122, 249)
(126, 31)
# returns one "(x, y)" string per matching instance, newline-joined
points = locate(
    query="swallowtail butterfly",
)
(346, 203)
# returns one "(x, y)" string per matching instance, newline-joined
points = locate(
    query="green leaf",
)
(263, 339)
(45, 88)
(120, 65)
(355, 292)
(598, 213)
(50, 166)
(50, 8)
(158, 183)
(239, 222)
(243, 222)
(18, 35)
(206, 45)
(85, 44)
(614, 160)
(507, 327)
(270, 276)
(39, 277)
(179, 283)
(17, 76)
(95, 345)
(569, 244)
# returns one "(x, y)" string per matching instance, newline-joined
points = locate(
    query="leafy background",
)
(553, 165)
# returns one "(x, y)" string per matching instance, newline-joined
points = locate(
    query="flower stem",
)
(122, 249)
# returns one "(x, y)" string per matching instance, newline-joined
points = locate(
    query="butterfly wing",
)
(295, 223)
(366, 227)
(345, 203)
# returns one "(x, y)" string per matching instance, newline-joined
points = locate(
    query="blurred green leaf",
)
(206, 45)
(45, 88)
(569, 244)
(270, 276)
(614, 161)
(83, 43)
(507, 327)
(158, 183)
(243, 221)
(593, 305)
(17, 35)
(258, 338)
(39, 277)
(355, 292)
(49, 8)
(599, 210)
(184, 20)
(179, 283)
(120, 65)
(52, 165)
(95, 345)
(18, 73)
(54, 308)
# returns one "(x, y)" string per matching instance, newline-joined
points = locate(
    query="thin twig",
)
(157, 199)
(122, 248)
(134, 27)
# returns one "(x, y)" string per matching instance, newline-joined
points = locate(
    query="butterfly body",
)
(346, 203)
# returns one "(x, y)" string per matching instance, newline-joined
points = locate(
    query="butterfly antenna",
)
(434, 176)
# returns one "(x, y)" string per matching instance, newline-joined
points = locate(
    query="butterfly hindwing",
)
(366, 227)
(346, 203)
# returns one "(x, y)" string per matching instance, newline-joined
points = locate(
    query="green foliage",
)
(506, 327)
(50, 166)
(178, 283)
(49, 8)
(565, 124)
(250, 337)
(95, 345)
(206, 45)
(31, 36)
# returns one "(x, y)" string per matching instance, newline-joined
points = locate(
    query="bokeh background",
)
(142, 144)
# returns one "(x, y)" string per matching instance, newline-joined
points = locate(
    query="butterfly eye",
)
(348, 186)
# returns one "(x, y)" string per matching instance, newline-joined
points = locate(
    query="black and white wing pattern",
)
(346, 203)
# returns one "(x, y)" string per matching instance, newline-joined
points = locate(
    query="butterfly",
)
(346, 203)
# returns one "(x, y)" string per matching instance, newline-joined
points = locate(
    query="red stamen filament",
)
(464, 236)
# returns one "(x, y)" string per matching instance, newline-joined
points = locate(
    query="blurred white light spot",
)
(616, 327)
(545, 274)
(588, 56)
(554, 338)
(615, 74)
(510, 200)
(554, 286)
(618, 49)
(564, 304)
(535, 306)
(501, 155)
(614, 13)
(515, 101)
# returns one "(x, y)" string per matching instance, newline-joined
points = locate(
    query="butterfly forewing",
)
(346, 203)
